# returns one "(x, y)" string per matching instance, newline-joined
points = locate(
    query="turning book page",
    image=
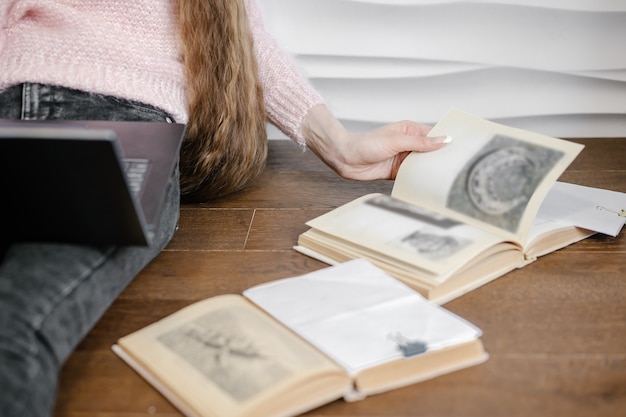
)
(491, 176)
(360, 316)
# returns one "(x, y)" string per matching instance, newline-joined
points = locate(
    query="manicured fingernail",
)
(442, 139)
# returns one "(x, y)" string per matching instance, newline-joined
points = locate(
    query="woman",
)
(207, 63)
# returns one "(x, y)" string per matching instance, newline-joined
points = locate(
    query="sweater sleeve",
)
(288, 94)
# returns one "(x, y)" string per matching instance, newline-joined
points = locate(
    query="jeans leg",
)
(51, 295)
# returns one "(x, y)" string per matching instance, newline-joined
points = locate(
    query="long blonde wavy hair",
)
(225, 146)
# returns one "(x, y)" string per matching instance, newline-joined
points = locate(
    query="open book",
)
(458, 217)
(294, 344)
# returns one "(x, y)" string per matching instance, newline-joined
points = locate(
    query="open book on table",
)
(290, 345)
(457, 217)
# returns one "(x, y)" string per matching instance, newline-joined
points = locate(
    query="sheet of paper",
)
(596, 209)
(359, 315)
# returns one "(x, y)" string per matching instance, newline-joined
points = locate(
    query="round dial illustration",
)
(498, 181)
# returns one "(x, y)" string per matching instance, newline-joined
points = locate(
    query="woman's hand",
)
(365, 156)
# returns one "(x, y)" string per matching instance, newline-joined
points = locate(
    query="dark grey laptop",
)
(91, 182)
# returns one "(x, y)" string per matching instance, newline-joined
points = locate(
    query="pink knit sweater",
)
(130, 49)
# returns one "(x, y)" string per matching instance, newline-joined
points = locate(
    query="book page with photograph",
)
(225, 357)
(430, 246)
(492, 176)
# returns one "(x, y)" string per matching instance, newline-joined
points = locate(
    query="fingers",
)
(411, 136)
(406, 143)
(379, 153)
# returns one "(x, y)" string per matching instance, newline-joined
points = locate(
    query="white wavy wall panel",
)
(553, 66)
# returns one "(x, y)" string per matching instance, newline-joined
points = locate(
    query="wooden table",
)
(555, 330)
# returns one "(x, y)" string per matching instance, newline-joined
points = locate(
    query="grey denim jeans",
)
(51, 295)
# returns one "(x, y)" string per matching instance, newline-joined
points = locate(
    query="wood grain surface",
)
(555, 330)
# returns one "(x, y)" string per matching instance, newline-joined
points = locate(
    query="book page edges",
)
(315, 255)
(432, 364)
(156, 383)
(555, 240)
(471, 276)
(406, 276)
(468, 279)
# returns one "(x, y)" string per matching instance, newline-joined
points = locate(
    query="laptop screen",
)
(74, 182)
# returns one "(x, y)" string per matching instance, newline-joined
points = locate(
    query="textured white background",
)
(557, 67)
